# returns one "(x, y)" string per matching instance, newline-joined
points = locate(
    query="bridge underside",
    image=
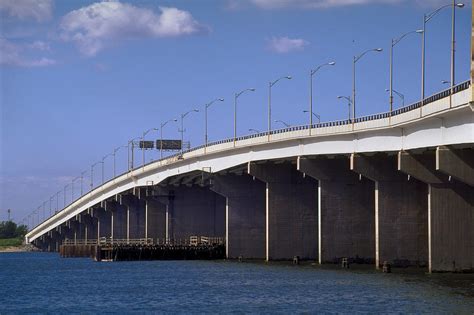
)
(409, 208)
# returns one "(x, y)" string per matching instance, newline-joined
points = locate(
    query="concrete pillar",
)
(401, 223)
(291, 211)
(450, 212)
(245, 214)
(195, 210)
(90, 226)
(135, 214)
(119, 218)
(156, 200)
(346, 210)
(104, 222)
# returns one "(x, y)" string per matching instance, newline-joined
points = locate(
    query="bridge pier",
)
(450, 205)
(245, 214)
(346, 210)
(401, 230)
(90, 225)
(291, 211)
(104, 222)
(157, 200)
(195, 210)
(135, 216)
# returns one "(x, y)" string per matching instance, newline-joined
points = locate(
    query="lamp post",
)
(283, 123)
(395, 42)
(348, 98)
(270, 85)
(103, 162)
(72, 188)
(236, 96)
(357, 58)
(161, 135)
(82, 181)
(402, 97)
(315, 115)
(426, 19)
(182, 126)
(131, 151)
(114, 153)
(312, 72)
(205, 118)
(65, 195)
(92, 174)
(57, 200)
(143, 145)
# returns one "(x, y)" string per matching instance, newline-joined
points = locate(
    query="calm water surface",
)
(45, 283)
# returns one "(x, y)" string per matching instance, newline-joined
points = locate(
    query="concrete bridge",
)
(396, 187)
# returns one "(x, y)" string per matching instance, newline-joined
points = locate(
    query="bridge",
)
(395, 187)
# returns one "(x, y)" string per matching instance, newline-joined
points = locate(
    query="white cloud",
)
(285, 44)
(40, 10)
(12, 54)
(316, 4)
(94, 26)
(39, 45)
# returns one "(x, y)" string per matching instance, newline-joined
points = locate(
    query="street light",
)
(131, 148)
(103, 162)
(143, 145)
(182, 126)
(348, 98)
(65, 195)
(115, 153)
(92, 173)
(402, 97)
(283, 123)
(315, 115)
(236, 95)
(394, 42)
(270, 84)
(312, 72)
(82, 180)
(357, 58)
(426, 19)
(161, 135)
(205, 119)
(72, 187)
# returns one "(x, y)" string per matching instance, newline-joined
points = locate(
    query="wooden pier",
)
(196, 248)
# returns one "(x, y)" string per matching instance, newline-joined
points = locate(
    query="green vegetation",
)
(11, 234)
(6, 242)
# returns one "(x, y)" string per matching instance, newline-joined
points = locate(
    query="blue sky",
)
(79, 78)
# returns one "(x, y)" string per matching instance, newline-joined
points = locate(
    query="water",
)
(45, 283)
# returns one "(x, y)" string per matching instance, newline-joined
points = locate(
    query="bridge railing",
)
(430, 99)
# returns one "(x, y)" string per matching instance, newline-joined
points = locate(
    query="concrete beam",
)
(291, 211)
(345, 210)
(245, 214)
(458, 163)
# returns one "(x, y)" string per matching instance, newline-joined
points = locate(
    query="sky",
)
(80, 78)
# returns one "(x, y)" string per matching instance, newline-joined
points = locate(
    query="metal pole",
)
(423, 62)
(391, 78)
(205, 119)
(92, 177)
(269, 109)
(235, 117)
(353, 89)
(453, 45)
(310, 100)
(161, 141)
(64, 196)
(103, 171)
(182, 133)
(114, 161)
(133, 152)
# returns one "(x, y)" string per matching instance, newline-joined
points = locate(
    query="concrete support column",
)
(245, 214)
(401, 223)
(291, 211)
(119, 218)
(195, 210)
(346, 210)
(156, 202)
(450, 206)
(136, 212)
(104, 220)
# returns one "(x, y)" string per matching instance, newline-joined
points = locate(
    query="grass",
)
(5, 242)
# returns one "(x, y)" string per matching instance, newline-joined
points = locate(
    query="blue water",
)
(45, 283)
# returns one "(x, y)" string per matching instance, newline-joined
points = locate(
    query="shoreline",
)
(16, 249)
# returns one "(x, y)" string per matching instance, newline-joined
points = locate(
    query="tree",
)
(9, 229)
